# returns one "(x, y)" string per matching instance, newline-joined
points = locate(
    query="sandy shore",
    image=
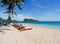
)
(38, 35)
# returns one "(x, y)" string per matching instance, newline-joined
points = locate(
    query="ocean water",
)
(52, 24)
(47, 24)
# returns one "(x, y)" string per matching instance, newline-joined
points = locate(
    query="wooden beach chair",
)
(21, 27)
(26, 28)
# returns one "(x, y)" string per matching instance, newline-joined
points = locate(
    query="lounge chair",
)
(25, 28)
(15, 25)
(21, 27)
(2, 23)
(18, 26)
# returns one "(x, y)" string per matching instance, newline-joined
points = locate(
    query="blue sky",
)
(43, 10)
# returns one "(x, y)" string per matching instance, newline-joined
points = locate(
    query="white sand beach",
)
(38, 35)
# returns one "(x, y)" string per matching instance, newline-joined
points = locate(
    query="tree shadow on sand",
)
(2, 30)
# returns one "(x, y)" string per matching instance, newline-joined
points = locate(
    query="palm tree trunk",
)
(11, 11)
(9, 19)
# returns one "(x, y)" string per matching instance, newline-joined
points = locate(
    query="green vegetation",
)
(4, 20)
(30, 20)
(11, 5)
(15, 21)
(1, 19)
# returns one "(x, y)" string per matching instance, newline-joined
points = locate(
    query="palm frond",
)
(6, 12)
(10, 6)
(18, 5)
(15, 13)
(22, 0)
(4, 2)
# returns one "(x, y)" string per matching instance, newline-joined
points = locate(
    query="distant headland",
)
(25, 20)
(30, 20)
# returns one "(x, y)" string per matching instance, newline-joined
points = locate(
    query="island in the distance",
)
(25, 20)
(30, 20)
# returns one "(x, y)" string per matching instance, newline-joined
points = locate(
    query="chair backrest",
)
(2, 23)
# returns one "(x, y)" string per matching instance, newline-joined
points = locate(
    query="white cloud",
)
(21, 17)
(4, 16)
(50, 16)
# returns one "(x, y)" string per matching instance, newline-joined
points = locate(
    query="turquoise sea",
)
(52, 24)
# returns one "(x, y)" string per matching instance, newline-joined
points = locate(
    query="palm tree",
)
(11, 5)
(1, 19)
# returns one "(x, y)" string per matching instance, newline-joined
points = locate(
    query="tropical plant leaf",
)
(22, 0)
(6, 12)
(19, 5)
(5, 2)
(10, 8)
(15, 13)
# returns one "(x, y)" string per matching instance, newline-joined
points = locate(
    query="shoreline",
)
(43, 26)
